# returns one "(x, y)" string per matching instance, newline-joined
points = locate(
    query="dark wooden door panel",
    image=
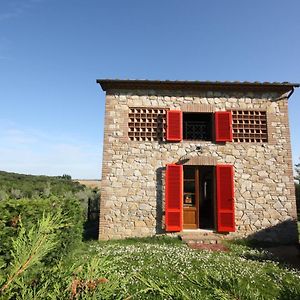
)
(191, 198)
(189, 218)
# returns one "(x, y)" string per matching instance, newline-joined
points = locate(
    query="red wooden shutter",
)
(225, 198)
(174, 125)
(173, 200)
(223, 125)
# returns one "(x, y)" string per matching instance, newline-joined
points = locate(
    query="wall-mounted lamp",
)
(185, 158)
(199, 148)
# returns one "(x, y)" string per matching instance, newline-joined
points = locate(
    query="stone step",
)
(202, 241)
(203, 237)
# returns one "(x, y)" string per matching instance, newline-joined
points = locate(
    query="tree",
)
(297, 169)
(66, 177)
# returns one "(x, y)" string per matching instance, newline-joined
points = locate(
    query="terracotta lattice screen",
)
(147, 124)
(249, 126)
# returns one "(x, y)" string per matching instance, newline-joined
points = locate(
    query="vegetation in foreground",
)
(24, 199)
(152, 268)
(42, 256)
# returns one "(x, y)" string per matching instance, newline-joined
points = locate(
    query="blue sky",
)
(52, 51)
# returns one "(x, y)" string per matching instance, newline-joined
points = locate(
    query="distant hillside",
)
(14, 185)
(92, 183)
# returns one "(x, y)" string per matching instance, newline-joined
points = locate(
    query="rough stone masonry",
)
(132, 191)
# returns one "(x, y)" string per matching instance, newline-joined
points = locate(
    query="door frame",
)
(192, 210)
(197, 198)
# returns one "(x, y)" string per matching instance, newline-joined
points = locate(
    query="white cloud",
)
(35, 152)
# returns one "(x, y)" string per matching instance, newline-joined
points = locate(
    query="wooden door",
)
(190, 198)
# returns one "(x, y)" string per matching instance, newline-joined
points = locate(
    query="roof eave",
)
(121, 84)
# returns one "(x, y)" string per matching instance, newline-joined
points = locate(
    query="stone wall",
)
(132, 192)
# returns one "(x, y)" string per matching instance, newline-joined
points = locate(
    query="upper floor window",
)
(197, 126)
(158, 124)
(249, 126)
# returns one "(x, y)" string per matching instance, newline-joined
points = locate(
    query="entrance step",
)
(202, 237)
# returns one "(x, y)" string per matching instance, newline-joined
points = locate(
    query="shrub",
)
(31, 246)
(84, 278)
(28, 211)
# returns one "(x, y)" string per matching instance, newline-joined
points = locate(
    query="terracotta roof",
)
(121, 84)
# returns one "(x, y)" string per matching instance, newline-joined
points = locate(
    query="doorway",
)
(198, 197)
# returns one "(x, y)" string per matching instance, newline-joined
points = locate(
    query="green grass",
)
(155, 268)
(164, 268)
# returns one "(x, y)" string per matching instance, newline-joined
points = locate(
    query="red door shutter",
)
(225, 198)
(174, 125)
(173, 200)
(223, 125)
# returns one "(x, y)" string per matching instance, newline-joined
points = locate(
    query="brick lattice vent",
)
(249, 126)
(147, 124)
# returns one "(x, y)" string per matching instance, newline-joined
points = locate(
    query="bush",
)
(28, 211)
(31, 246)
(80, 277)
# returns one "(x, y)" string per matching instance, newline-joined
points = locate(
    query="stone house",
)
(192, 156)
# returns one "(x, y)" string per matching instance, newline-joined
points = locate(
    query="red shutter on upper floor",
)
(225, 198)
(174, 125)
(223, 126)
(173, 197)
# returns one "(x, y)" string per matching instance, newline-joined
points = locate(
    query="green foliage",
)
(157, 268)
(297, 169)
(27, 196)
(42, 257)
(29, 211)
(66, 177)
(30, 247)
(3, 195)
(18, 186)
(76, 278)
(72, 278)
